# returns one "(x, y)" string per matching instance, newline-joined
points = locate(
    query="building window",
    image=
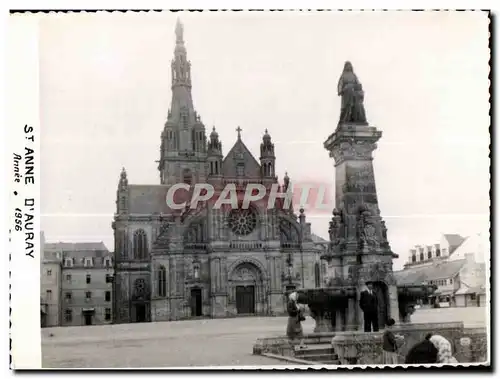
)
(68, 278)
(68, 315)
(109, 278)
(162, 281)
(107, 296)
(421, 256)
(88, 278)
(107, 314)
(473, 296)
(88, 262)
(67, 296)
(49, 294)
(240, 169)
(413, 258)
(49, 272)
(451, 281)
(88, 295)
(140, 244)
(438, 253)
(68, 262)
(317, 277)
(429, 254)
(107, 263)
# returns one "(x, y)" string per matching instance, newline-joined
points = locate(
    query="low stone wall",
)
(469, 345)
(283, 346)
(366, 348)
(473, 346)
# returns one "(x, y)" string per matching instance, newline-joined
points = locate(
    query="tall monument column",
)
(359, 247)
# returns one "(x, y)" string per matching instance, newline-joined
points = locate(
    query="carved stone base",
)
(323, 325)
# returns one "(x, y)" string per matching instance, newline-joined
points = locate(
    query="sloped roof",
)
(252, 167)
(148, 199)
(475, 244)
(469, 290)
(455, 240)
(76, 246)
(316, 238)
(418, 275)
(80, 249)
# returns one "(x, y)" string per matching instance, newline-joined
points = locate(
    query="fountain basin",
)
(336, 308)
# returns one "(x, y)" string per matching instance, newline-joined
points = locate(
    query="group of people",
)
(433, 349)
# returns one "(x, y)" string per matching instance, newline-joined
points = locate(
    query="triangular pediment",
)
(241, 155)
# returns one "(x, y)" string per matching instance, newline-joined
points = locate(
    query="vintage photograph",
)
(263, 189)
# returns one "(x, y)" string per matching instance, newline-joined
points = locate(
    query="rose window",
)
(242, 221)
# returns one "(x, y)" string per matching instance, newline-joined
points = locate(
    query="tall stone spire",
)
(181, 109)
(183, 139)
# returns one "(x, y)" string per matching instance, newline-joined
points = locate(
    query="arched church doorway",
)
(246, 283)
(140, 306)
(382, 292)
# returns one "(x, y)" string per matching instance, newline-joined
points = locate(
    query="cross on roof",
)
(238, 129)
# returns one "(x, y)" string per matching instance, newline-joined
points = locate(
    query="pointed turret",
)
(183, 138)
(214, 150)
(267, 157)
(122, 193)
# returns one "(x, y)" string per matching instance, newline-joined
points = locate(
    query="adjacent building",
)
(206, 262)
(76, 284)
(50, 284)
(87, 284)
(428, 254)
(459, 282)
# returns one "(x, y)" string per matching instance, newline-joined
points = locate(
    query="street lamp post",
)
(301, 239)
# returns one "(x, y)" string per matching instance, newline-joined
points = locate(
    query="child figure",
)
(390, 344)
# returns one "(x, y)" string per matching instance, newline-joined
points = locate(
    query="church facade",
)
(205, 262)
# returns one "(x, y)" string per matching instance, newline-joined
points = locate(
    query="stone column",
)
(351, 314)
(359, 312)
(393, 302)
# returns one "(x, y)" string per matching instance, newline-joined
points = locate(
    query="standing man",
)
(369, 305)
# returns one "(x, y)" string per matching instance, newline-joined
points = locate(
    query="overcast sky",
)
(105, 93)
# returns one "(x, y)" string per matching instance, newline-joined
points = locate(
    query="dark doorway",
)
(196, 303)
(245, 299)
(382, 292)
(140, 313)
(87, 318)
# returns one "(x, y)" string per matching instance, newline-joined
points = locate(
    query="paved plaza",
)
(219, 342)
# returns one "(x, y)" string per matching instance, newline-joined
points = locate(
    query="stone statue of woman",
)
(350, 89)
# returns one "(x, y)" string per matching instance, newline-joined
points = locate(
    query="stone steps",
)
(317, 352)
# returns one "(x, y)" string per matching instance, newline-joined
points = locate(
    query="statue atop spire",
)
(352, 110)
(179, 31)
(181, 67)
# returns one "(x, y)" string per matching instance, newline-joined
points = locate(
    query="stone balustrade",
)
(246, 245)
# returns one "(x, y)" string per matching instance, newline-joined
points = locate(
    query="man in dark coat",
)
(369, 305)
